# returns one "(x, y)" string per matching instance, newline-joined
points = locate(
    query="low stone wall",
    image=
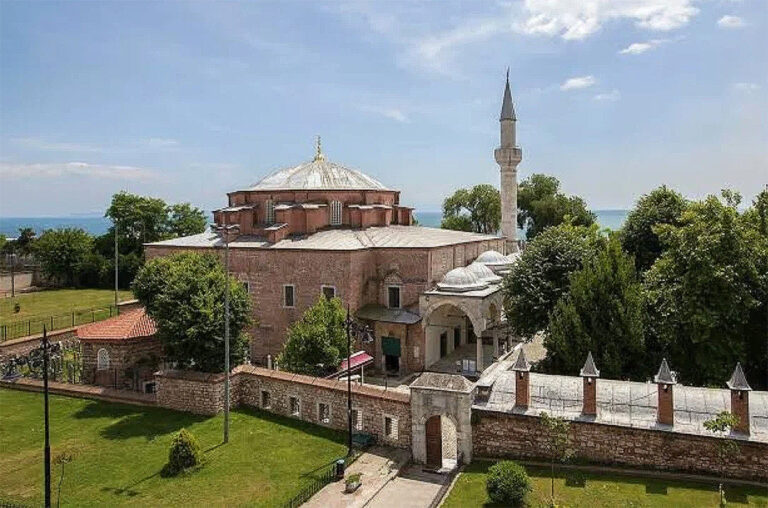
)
(24, 345)
(195, 392)
(204, 394)
(519, 436)
(373, 404)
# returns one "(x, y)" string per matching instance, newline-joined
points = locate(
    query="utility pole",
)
(117, 310)
(47, 448)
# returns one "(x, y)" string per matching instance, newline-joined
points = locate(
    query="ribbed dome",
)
(491, 256)
(460, 280)
(484, 273)
(318, 174)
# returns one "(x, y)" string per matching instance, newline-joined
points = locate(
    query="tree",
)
(477, 209)
(185, 220)
(541, 205)
(755, 219)
(61, 252)
(603, 312)
(721, 425)
(705, 289)
(541, 275)
(507, 483)
(184, 294)
(660, 206)
(558, 444)
(3, 243)
(318, 341)
(140, 219)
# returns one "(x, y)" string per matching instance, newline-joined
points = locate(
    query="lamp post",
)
(12, 262)
(224, 232)
(47, 446)
(117, 309)
(363, 333)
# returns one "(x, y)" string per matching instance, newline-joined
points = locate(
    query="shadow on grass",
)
(128, 489)
(137, 421)
(312, 429)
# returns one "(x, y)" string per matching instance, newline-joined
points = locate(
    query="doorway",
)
(434, 443)
(456, 338)
(392, 364)
(443, 344)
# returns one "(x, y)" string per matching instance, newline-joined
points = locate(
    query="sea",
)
(9, 226)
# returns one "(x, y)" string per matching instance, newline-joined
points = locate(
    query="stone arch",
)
(474, 315)
(102, 359)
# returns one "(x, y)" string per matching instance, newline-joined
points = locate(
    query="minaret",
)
(508, 156)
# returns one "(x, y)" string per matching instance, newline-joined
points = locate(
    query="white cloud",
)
(391, 113)
(578, 83)
(611, 96)
(20, 171)
(575, 20)
(637, 48)
(729, 21)
(745, 86)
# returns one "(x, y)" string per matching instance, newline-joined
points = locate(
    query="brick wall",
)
(204, 394)
(508, 435)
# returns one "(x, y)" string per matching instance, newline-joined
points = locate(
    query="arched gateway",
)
(441, 408)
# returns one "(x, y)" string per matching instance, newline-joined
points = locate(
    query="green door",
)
(390, 346)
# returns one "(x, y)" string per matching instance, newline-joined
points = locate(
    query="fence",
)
(325, 477)
(34, 325)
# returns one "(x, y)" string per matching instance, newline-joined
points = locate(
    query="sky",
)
(189, 100)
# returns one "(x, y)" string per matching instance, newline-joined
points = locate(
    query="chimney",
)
(522, 380)
(590, 374)
(740, 398)
(666, 408)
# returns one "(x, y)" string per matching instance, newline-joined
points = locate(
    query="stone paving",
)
(412, 488)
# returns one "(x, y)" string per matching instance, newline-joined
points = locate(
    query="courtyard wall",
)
(505, 435)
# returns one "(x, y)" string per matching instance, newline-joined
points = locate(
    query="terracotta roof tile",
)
(130, 324)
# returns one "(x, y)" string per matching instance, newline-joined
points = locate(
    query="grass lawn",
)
(120, 450)
(586, 489)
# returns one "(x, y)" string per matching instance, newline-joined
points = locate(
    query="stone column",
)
(479, 349)
(666, 401)
(740, 399)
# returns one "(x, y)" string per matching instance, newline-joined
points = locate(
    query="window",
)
(270, 208)
(295, 406)
(357, 419)
(335, 213)
(390, 427)
(289, 299)
(328, 291)
(150, 387)
(247, 286)
(102, 359)
(324, 413)
(394, 297)
(266, 399)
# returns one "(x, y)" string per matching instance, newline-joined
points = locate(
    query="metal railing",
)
(322, 479)
(34, 325)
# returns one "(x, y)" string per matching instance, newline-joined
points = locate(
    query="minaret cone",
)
(508, 156)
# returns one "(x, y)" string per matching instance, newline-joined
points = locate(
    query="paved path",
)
(412, 488)
(378, 466)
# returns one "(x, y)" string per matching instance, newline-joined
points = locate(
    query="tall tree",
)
(661, 206)
(61, 252)
(705, 288)
(541, 205)
(140, 219)
(602, 313)
(184, 294)
(184, 220)
(542, 275)
(318, 341)
(24, 243)
(477, 209)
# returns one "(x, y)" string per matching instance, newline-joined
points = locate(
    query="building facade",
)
(321, 229)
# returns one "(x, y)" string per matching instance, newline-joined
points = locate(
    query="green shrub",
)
(507, 483)
(184, 453)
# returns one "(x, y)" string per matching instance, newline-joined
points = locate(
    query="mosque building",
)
(432, 296)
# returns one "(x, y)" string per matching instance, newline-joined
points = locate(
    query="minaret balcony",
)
(511, 155)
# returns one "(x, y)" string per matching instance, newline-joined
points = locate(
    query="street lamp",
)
(224, 232)
(364, 334)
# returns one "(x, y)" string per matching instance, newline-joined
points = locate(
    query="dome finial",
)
(319, 150)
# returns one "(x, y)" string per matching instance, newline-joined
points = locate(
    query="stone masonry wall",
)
(507, 435)
(123, 355)
(204, 394)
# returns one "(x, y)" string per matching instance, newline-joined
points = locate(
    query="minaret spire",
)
(319, 150)
(508, 156)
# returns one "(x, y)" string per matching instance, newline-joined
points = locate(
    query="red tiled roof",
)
(130, 324)
(357, 359)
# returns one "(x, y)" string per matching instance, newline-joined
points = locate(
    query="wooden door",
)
(434, 443)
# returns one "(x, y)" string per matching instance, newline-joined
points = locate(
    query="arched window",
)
(270, 205)
(102, 359)
(335, 213)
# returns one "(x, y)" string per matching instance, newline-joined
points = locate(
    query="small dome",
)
(460, 280)
(484, 273)
(494, 260)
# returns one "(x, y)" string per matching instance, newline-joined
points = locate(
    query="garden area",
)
(601, 490)
(119, 451)
(56, 308)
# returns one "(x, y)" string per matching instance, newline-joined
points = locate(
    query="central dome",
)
(318, 174)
